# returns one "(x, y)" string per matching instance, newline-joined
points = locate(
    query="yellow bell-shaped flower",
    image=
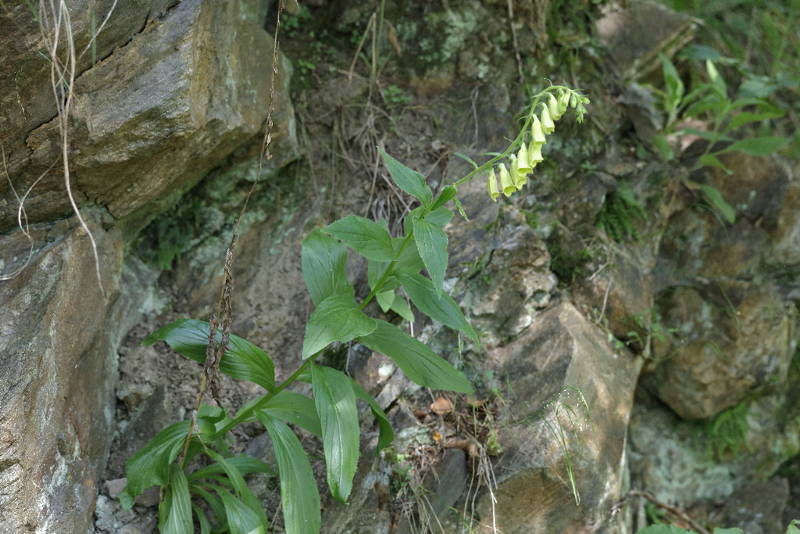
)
(548, 126)
(519, 174)
(523, 160)
(492, 186)
(537, 134)
(553, 107)
(535, 154)
(505, 181)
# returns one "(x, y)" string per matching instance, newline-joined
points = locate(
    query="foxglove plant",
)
(191, 461)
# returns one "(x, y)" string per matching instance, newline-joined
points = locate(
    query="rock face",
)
(153, 117)
(58, 362)
(565, 435)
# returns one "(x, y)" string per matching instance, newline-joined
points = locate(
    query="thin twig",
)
(674, 510)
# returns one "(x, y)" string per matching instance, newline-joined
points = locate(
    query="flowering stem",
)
(517, 140)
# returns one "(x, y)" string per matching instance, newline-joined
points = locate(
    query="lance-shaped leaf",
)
(368, 238)
(386, 434)
(255, 518)
(150, 466)
(175, 510)
(419, 363)
(299, 495)
(432, 246)
(441, 307)
(324, 266)
(408, 180)
(336, 406)
(246, 465)
(242, 519)
(337, 318)
(758, 146)
(440, 217)
(242, 360)
(294, 408)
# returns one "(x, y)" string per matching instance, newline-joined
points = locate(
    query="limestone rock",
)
(57, 373)
(154, 116)
(569, 408)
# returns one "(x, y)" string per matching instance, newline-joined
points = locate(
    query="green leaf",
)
(663, 147)
(178, 502)
(710, 160)
(758, 146)
(716, 79)
(243, 492)
(241, 518)
(243, 360)
(368, 238)
(386, 435)
(324, 266)
(466, 158)
(246, 465)
(337, 318)
(299, 495)
(444, 197)
(715, 199)
(673, 83)
(336, 406)
(440, 217)
(407, 179)
(401, 307)
(150, 465)
(385, 299)
(432, 246)
(728, 531)
(419, 363)
(746, 117)
(213, 503)
(295, 408)
(205, 526)
(440, 307)
(794, 527)
(409, 260)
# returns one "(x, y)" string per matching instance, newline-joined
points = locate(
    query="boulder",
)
(565, 431)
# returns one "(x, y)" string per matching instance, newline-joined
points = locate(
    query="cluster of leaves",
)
(619, 214)
(395, 265)
(793, 528)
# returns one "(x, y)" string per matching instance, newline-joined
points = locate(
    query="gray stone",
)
(569, 406)
(757, 507)
(58, 368)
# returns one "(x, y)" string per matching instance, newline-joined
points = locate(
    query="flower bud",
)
(535, 154)
(492, 186)
(548, 126)
(573, 100)
(537, 135)
(553, 108)
(505, 181)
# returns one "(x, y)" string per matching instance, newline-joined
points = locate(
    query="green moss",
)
(620, 214)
